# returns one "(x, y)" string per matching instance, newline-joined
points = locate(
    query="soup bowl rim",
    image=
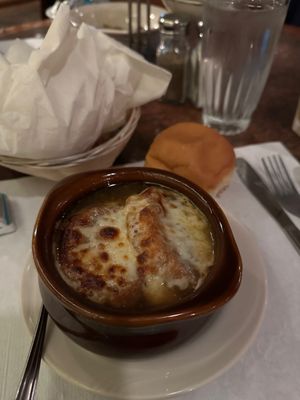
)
(58, 201)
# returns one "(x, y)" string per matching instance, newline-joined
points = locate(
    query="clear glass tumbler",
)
(239, 42)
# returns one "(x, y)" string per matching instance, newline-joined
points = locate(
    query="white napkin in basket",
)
(55, 101)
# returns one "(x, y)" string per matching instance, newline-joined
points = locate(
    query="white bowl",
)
(112, 17)
(191, 9)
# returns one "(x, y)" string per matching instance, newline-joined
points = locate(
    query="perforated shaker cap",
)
(172, 23)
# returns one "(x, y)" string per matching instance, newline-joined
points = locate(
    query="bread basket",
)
(100, 156)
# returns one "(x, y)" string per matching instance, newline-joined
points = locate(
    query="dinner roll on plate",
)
(195, 152)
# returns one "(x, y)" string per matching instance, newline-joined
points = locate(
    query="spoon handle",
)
(26, 390)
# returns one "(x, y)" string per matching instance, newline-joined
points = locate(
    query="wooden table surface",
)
(272, 120)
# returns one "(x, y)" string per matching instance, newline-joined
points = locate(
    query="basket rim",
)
(108, 145)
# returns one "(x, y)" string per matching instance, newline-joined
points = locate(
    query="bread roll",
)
(195, 152)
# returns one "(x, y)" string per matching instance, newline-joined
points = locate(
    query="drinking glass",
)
(239, 42)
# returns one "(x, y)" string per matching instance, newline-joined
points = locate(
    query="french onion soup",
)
(136, 247)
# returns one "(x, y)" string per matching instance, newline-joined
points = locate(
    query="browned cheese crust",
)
(94, 275)
(122, 256)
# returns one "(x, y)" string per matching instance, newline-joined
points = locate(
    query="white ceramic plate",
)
(198, 361)
(191, 9)
(112, 17)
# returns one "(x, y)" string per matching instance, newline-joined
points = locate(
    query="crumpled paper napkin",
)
(56, 101)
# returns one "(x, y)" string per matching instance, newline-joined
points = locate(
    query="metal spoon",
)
(27, 387)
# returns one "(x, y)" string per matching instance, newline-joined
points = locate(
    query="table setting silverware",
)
(136, 33)
(27, 387)
(259, 189)
(282, 185)
(69, 363)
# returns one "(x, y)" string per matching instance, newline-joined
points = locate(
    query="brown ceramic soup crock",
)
(109, 332)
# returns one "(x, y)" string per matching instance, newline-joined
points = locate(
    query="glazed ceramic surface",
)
(103, 331)
(186, 367)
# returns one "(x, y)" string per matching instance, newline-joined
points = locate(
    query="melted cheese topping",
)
(154, 249)
(100, 241)
(188, 231)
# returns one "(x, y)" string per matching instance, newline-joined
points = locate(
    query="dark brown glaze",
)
(219, 288)
(114, 340)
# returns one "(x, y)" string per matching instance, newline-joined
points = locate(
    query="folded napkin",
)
(239, 198)
(58, 99)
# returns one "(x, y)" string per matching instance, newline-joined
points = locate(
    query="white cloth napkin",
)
(56, 101)
(270, 367)
(253, 154)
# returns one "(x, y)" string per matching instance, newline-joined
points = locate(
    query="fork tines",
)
(130, 39)
(135, 33)
(283, 187)
(278, 175)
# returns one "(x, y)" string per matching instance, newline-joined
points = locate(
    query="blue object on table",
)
(6, 223)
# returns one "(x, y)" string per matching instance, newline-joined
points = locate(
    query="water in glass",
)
(239, 42)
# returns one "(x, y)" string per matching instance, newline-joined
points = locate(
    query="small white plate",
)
(196, 362)
(191, 9)
(111, 17)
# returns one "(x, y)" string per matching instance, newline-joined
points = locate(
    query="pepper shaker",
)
(173, 54)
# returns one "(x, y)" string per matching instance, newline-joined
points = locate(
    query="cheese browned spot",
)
(109, 232)
(104, 256)
(153, 249)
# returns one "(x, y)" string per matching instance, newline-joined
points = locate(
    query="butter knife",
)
(258, 188)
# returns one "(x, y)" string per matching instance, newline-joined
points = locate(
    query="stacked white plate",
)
(100, 156)
(191, 9)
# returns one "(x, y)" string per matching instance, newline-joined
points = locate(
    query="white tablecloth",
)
(268, 370)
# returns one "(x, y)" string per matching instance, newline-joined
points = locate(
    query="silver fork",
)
(282, 185)
(140, 31)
